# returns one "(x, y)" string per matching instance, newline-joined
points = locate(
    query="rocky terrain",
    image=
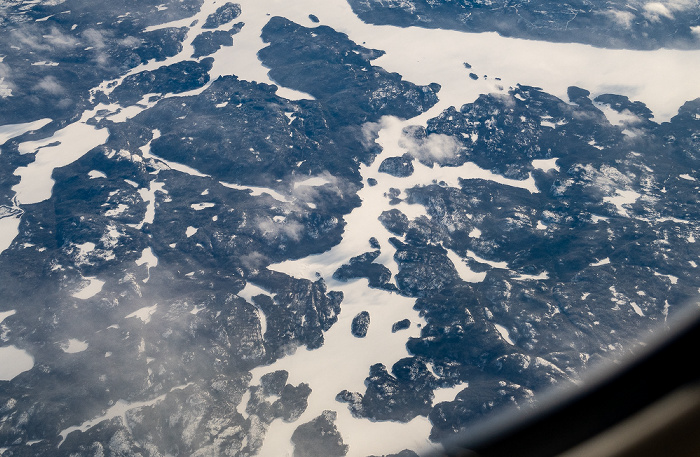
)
(145, 283)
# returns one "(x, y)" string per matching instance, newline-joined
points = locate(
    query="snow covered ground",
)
(14, 361)
(661, 79)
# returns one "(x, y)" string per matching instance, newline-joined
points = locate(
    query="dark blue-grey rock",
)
(400, 167)
(360, 324)
(400, 325)
(223, 15)
(319, 438)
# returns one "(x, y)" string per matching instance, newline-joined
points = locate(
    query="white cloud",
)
(370, 132)
(130, 42)
(653, 11)
(30, 37)
(507, 100)
(94, 37)
(681, 5)
(61, 40)
(435, 147)
(5, 88)
(51, 85)
(271, 229)
(23, 37)
(622, 18)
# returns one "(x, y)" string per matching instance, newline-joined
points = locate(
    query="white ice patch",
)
(168, 164)
(63, 148)
(119, 409)
(505, 334)
(315, 181)
(637, 309)
(620, 299)
(475, 233)
(491, 263)
(144, 313)
(85, 248)
(537, 277)
(201, 206)
(671, 278)
(448, 393)
(452, 176)
(593, 143)
(9, 131)
(149, 259)
(622, 198)
(92, 288)
(14, 361)
(241, 408)
(73, 346)
(94, 174)
(687, 177)
(149, 196)
(546, 164)
(463, 269)
(196, 310)
(257, 191)
(120, 209)
(189, 231)
(605, 261)
(9, 229)
(5, 314)
(250, 291)
(110, 238)
(539, 361)
(81, 253)
(412, 211)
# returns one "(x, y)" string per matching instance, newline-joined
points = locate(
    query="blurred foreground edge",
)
(648, 405)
